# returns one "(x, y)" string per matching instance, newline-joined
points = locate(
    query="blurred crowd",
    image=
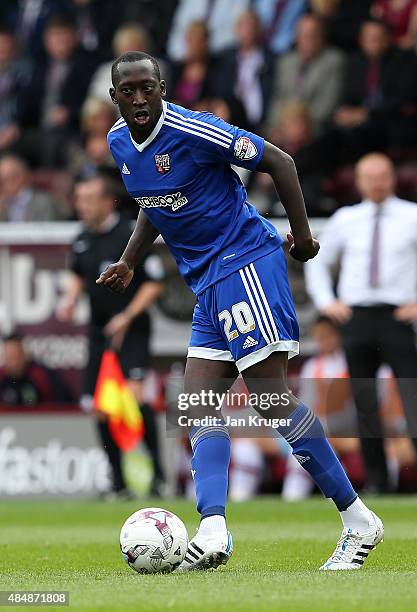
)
(326, 80)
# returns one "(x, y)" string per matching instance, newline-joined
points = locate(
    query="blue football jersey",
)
(182, 178)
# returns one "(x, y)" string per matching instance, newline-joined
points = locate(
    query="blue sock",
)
(312, 450)
(210, 467)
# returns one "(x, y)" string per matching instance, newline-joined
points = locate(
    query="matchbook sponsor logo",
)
(172, 200)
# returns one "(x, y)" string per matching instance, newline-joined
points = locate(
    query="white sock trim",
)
(357, 517)
(212, 524)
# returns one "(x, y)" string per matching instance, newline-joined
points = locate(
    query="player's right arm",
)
(118, 276)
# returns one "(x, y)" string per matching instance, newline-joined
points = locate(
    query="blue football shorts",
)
(246, 316)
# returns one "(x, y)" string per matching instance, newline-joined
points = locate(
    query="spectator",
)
(28, 19)
(155, 17)
(279, 19)
(19, 201)
(401, 18)
(293, 133)
(247, 67)
(5, 8)
(375, 301)
(231, 111)
(324, 380)
(15, 75)
(24, 382)
(57, 93)
(324, 9)
(97, 117)
(220, 17)
(120, 321)
(311, 73)
(92, 159)
(95, 22)
(129, 37)
(379, 90)
(194, 79)
(342, 19)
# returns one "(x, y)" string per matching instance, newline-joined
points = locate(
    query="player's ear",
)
(112, 93)
(163, 88)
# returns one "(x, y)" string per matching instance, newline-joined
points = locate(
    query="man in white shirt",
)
(375, 245)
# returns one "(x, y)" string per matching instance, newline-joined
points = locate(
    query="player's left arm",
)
(281, 167)
(233, 145)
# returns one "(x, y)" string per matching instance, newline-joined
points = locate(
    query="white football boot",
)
(353, 547)
(204, 553)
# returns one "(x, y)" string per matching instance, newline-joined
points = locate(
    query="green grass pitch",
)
(74, 546)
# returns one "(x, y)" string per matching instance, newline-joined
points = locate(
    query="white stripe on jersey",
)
(190, 131)
(121, 123)
(214, 128)
(117, 123)
(205, 130)
(254, 307)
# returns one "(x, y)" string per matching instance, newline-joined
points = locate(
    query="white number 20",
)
(243, 318)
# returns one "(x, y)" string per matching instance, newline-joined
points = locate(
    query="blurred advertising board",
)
(50, 454)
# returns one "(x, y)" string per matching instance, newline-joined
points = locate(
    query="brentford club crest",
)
(163, 163)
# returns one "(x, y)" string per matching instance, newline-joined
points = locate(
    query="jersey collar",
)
(140, 147)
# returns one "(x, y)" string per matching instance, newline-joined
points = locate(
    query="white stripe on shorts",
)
(254, 307)
(267, 307)
(260, 304)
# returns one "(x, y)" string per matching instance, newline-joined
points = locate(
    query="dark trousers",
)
(151, 440)
(114, 454)
(370, 338)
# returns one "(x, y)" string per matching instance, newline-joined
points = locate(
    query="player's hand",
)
(303, 251)
(337, 311)
(407, 313)
(116, 277)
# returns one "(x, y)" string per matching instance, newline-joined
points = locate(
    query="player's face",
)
(138, 93)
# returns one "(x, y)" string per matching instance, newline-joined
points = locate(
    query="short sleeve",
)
(74, 257)
(153, 268)
(215, 140)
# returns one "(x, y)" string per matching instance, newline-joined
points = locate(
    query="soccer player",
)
(176, 164)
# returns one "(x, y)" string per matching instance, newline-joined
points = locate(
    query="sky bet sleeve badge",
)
(163, 163)
(244, 148)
